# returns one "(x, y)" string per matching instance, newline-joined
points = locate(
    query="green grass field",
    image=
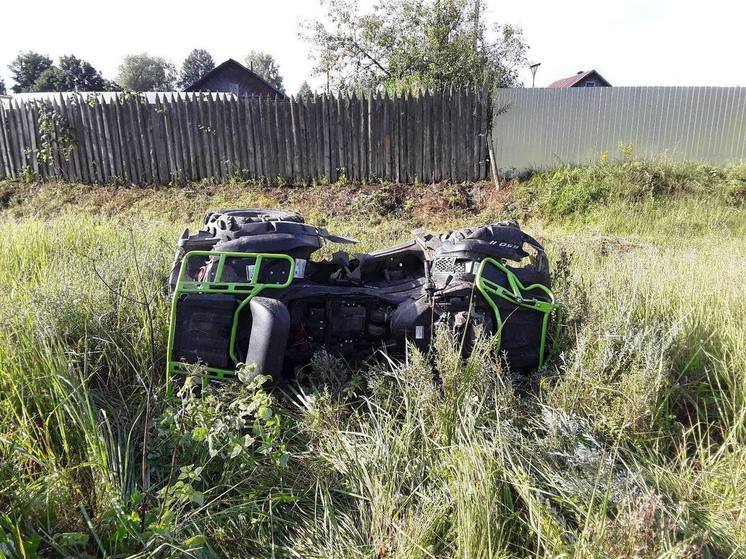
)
(630, 443)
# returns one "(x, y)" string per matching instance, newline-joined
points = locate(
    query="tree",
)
(26, 69)
(304, 90)
(404, 44)
(265, 65)
(2, 86)
(142, 72)
(195, 65)
(51, 79)
(81, 75)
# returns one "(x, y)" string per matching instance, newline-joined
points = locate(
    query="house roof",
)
(230, 62)
(572, 80)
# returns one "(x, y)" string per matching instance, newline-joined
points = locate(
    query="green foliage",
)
(26, 68)
(304, 90)
(195, 65)
(142, 72)
(413, 44)
(80, 75)
(51, 79)
(576, 190)
(264, 65)
(630, 443)
(34, 72)
(57, 141)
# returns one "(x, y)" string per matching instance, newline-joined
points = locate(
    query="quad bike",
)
(246, 290)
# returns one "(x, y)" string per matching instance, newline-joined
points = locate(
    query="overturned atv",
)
(245, 290)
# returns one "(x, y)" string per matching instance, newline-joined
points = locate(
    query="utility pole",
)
(533, 67)
(477, 9)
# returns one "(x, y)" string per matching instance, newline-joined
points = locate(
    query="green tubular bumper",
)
(518, 295)
(246, 289)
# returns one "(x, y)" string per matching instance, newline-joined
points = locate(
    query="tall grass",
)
(630, 443)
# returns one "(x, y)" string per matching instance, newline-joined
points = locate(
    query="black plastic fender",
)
(270, 325)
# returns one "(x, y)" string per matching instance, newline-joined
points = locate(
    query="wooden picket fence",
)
(175, 137)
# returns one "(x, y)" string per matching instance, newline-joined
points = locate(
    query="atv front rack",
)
(249, 288)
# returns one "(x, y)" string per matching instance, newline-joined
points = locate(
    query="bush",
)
(568, 190)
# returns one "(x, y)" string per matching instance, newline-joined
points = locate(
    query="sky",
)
(630, 42)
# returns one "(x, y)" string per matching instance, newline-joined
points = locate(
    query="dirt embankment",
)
(421, 203)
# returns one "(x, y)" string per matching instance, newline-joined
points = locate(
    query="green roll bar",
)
(518, 295)
(249, 289)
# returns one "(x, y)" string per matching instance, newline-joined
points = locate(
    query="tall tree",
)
(26, 69)
(142, 72)
(265, 65)
(195, 65)
(402, 44)
(304, 90)
(80, 75)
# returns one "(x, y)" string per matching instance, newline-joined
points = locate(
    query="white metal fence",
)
(545, 127)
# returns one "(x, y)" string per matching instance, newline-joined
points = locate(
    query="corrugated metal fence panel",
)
(545, 127)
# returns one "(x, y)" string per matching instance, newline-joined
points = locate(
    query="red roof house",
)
(590, 78)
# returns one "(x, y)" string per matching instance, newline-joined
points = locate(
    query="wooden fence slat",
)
(169, 138)
(76, 125)
(13, 139)
(233, 137)
(278, 142)
(319, 119)
(29, 133)
(22, 145)
(95, 139)
(143, 144)
(151, 118)
(7, 154)
(201, 140)
(395, 137)
(223, 148)
(117, 160)
(233, 165)
(177, 114)
(125, 145)
(211, 137)
(473, 154)
(333, 110)
(68, 165)
(287, 137)
(248, 126)
(258, 131)
(354, 135)
(84, 144)
(340, 140)
(191, 130)
(181, 146)
(78, 153)
(325, 147)
(435, 129)
(116, 153)
(311, 128)
(106, 172)
(160, 146)
(8, 171)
